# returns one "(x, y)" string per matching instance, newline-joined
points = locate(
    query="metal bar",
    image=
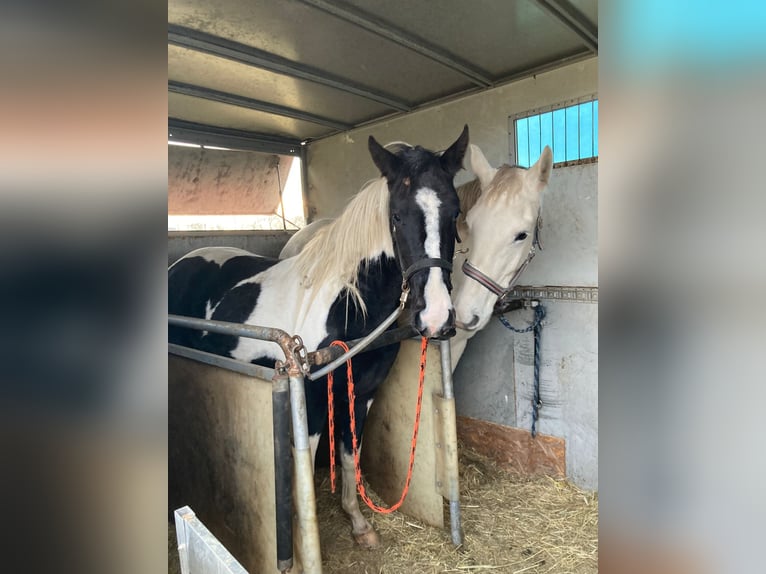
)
(328, 354)
(402, 38)
(557, 106)
(182, 130)
(226, 328)
(573, 19)
(305, 499)
(223, 48)
(556, 293)
(253, 104)
(446, 362)
(361, 345)
(304, 155)
(227, 363)
(283, 476)
(450, 434)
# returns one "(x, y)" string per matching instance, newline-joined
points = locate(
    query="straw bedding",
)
(511, 524)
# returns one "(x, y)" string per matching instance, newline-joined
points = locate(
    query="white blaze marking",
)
(438, 302)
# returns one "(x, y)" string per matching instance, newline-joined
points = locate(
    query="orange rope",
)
(351, 399)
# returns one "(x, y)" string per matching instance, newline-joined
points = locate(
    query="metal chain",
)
(537, 327)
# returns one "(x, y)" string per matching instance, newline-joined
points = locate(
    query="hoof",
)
(368, 539)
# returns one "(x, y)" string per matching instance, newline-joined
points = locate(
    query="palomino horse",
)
(497, 225)
(345, 281)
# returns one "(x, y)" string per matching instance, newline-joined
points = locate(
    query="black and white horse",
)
(497, 225)
(345, 281)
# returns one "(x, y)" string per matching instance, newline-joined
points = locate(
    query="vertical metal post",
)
(304, 155)
(305, 500)
(283, 476)
(451, 432)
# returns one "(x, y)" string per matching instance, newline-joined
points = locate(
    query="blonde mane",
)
(469, 194)
(361, 233)
(502, 184)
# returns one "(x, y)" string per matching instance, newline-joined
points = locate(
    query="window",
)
(217, 189)
(570, 129)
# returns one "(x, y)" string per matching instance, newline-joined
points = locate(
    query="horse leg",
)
(316, 413)
(364, 534)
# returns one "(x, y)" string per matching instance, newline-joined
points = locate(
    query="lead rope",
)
(537, 327)
(355, 448)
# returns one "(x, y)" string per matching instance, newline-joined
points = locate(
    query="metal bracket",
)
(555, 293)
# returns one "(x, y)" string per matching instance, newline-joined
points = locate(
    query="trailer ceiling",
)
(268, 75)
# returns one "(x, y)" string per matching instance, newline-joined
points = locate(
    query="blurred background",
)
(83, 176)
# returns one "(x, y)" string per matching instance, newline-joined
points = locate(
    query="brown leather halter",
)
(485, 281)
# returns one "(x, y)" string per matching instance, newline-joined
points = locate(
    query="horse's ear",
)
(387, 163)
(452, 159)
(541, 171)
(479, 165)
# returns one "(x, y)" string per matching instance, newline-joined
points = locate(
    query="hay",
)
(512, 525)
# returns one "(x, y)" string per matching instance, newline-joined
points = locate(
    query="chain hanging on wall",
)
(537, 327)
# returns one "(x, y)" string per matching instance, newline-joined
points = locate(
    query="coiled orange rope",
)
(355, 448)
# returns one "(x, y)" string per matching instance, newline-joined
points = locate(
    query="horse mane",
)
(470, 193)
(359, 234)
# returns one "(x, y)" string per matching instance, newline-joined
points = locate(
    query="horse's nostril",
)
(468, 326)
(447, 333)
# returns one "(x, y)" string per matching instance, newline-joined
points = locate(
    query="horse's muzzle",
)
(445, 332)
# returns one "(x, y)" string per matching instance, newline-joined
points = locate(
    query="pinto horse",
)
(498, 221)
(345, 281)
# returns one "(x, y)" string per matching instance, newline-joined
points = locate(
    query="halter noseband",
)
(426, 264)
(486, 282)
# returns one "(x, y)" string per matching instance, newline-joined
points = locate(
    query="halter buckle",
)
(405, 293)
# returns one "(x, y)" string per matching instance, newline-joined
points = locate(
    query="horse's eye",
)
(396, 219)
(521, 236)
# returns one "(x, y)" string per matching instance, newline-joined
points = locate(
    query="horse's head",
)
(423, 209)
(499, 231)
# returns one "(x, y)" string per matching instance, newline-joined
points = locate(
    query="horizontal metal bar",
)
(253, 104)
(226, 328)
(227, 363)
(556, 293)
(191, 132)
(552, 107)
(573, 19)
(224, 48)
(398, 36)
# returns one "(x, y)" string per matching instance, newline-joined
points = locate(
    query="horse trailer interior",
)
(270, 108)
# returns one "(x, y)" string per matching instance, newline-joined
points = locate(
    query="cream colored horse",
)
(498, 221)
